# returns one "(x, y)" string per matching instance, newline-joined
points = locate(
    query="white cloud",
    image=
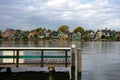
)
(87, 13)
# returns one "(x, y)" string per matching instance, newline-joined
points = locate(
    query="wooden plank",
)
(36, 48)
(33, 65)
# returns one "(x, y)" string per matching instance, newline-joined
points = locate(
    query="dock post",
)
(66, 58)
(17, 59)
(73, 62)
(51, 72)
(8, 70)
(73, 56)
(42, 58)
(79, 63)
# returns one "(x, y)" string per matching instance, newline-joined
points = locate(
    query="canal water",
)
(100, 60)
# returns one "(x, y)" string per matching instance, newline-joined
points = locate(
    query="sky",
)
(51, 14)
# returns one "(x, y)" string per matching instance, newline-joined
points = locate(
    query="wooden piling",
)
(17, 59)
(79, 70)
(73, 56)
(73, 62)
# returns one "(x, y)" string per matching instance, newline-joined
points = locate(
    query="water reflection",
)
(44, 43)
(100, 60)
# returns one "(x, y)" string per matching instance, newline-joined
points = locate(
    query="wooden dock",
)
(43, 60)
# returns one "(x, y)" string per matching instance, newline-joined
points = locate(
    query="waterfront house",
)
(91, 35)
(32, 33)
(99, 34)
(118, 36)
(41, 35)
(106, 32)
(63, 35)
(76, 36)
(8, 33)
(54, 34)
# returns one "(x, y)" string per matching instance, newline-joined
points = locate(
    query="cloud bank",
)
(30, 14)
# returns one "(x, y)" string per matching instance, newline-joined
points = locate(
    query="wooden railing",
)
(17, 55)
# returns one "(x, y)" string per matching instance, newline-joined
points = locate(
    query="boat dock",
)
(16, 57)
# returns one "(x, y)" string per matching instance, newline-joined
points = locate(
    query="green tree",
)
(103, 37)
(86, 38)
(25, 37)
(49, 30)
(79, 29)
(18, 31)
(39, 30)
(91, 31)
(63, 28)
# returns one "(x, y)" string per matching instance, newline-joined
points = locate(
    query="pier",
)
(66, 60)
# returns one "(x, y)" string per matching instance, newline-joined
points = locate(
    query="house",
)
(91, 35)
(9, 33)
(99, 34)
(54, 34)
(76, 36)
(106, 32)
(32, 33)
(63, 35)
(41, 35)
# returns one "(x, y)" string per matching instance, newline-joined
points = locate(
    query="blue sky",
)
(31, 14)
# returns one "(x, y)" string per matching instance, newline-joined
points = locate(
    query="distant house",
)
(106, 32)
(41, 35)
(63, 35)
(91, 35)
(99, 34)
(76, 36)
(54, 34)
(32, 33)
(9, 33)
(25, 33)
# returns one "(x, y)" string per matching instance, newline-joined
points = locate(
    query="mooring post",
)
(79, 63)
(73, 56)
(73, 62)
(66, 58)
(8, 70)
(42, 58)
(51, 70)
(13, 56)
(17, 59)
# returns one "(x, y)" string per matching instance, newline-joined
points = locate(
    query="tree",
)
(49, 30)
(103, 37)
(63, 28)
(25, 37)
(79, 29)
(86, 38)
(91, 31)
(39, 30)
(18, 31)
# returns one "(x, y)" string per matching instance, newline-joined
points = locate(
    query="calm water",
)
(100, 60)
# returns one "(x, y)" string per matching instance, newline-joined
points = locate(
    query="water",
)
(100, 60)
